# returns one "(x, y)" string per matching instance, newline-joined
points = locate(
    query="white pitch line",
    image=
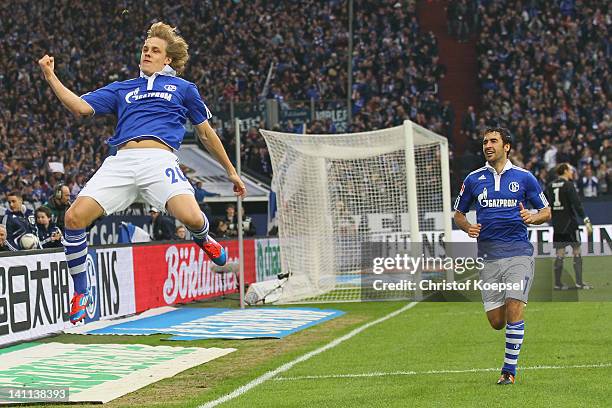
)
(469, 370)
(285, 367)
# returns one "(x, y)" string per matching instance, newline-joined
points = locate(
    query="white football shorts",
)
(514, 271)
(146, 175)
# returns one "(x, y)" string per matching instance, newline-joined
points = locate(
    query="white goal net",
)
(337, 193)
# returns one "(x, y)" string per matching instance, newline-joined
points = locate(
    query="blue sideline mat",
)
(216, 323)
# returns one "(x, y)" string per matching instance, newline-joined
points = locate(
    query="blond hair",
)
(177, 46)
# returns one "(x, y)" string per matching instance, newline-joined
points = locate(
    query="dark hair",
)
(506, 136)
(43, 209)
(15, 193)
(562, 168)
(230, 206)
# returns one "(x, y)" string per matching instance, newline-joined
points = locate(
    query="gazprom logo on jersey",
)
(135, 95)
(496, 202)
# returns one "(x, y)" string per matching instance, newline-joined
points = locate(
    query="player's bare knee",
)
(193, 222)
(74, 220)
(497, 324)
(497, 318)
(70, 219)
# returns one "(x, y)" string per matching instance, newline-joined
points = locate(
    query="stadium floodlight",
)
(337, 192)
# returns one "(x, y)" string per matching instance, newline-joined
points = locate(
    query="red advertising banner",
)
(177, 273)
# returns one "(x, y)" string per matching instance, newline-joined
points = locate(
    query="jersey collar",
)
(168, 71)
(507, 166)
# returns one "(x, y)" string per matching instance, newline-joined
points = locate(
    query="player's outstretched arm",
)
(213, 144)
(69, 99)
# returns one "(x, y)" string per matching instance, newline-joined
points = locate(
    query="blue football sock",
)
(75, 248)
(514, 338)
(200, 235)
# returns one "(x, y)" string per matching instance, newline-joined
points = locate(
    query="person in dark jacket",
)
(23, 216)
(48, 233)
(5, 243)
(228, 225)
(164, 227)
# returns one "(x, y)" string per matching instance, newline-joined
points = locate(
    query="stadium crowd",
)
(545, 73)
(395, 75)
(544, 70)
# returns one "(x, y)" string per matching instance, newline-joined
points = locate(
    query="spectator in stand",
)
(588, 183)
(604, 173)
(58, 204)
(77, 186)
(181, 232)
(248, 225)
(5, 243)
(460, 16)
(164, 227)
(49, 235)
(23, 216)
(543, 177)
(469, 122)
(12, 231)
(200, 193)
(228, 225)
(221, 229)
(544, 70)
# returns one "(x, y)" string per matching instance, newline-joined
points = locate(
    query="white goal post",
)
(339, 192)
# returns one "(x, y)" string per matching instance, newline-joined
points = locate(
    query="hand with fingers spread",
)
(474, 230)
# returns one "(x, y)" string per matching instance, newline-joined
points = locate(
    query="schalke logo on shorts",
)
(514, 186)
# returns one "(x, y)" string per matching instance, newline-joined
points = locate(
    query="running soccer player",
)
(499, 191)
(151, 111)
(565, 206)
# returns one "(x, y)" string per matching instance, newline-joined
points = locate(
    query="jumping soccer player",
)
(151, 111)
(499, 191)
(565, 206)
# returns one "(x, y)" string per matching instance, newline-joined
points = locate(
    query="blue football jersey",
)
(156, 106)
(496, 197)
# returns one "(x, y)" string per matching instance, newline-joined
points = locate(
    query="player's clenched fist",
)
(474, 230)
(239, 187)
(46, 64)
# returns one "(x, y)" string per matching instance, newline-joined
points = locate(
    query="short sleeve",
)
(197, 111)
(534, 193)
(465, 198)
(103, 100)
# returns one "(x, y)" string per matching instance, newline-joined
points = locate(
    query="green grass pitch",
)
(434, 354)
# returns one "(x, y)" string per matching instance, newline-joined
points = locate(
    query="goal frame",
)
(410, 142)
